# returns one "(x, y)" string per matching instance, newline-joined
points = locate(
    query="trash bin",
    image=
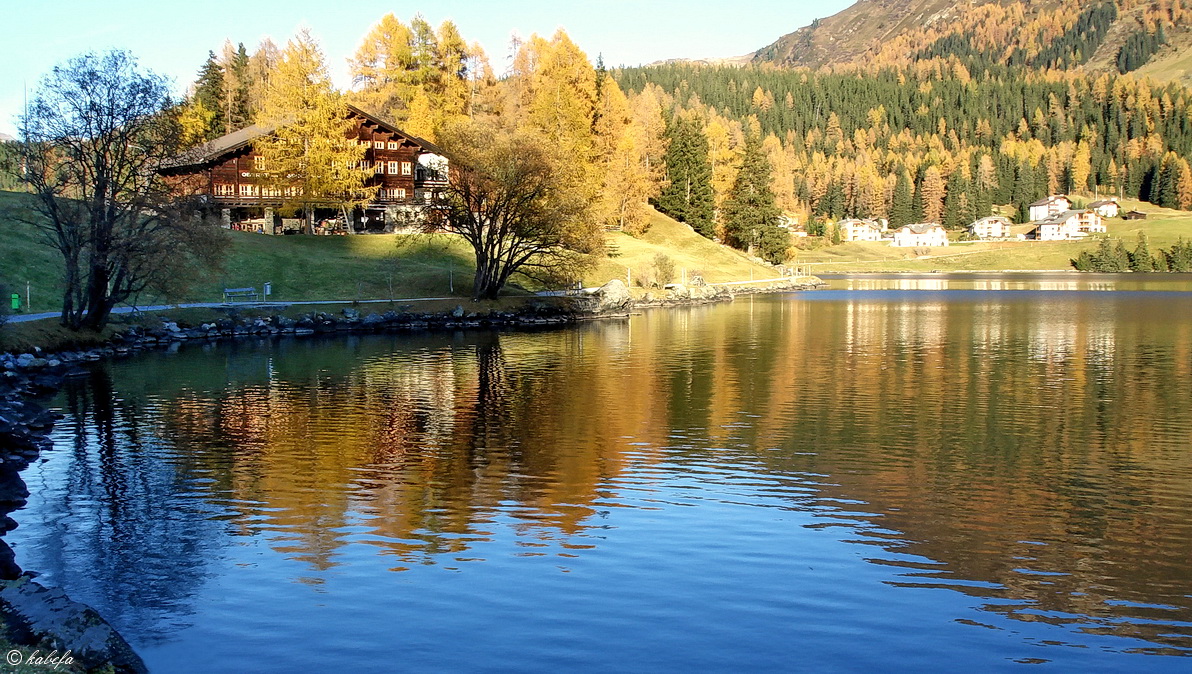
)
(16, 301)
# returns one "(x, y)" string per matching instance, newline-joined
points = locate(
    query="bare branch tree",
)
(508, 200)
(95, 134)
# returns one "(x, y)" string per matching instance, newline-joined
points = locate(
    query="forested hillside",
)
(935, 141)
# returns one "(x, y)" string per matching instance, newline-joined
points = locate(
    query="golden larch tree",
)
(308, 159)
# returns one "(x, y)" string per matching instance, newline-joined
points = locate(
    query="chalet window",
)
(364, 164)
(406, 168)
(258, 163)
(224, 190)
(249, 190)
(392, 145)
(380, 167)
(400, 193)
(270, 191)
(392, 168)
(380, 145)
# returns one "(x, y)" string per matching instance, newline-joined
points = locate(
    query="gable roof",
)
(991, 219)
(1063, 216)
(214, 150)
(1051, 199)
(920, 228)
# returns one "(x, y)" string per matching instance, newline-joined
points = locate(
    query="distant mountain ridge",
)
(1058, 34)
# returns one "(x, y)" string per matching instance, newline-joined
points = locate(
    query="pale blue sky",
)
(173, 38)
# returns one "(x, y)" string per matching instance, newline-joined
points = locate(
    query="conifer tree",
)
(1025, 190)
(1141, 259)
(308, 159)
(750, 214)
(209, 86)
(687, 196)
(933, 190)
(234, 98)
(199, 117)
(626, 183)
(958, 212)
(902, 210)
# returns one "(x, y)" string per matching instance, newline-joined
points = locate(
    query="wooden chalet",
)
(228, 173)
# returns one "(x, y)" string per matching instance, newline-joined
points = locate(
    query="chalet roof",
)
(1062, 217)
(1103, 202)
(214, 150)
(1050, 200)
(990, 218)
(920, 228)
(855, 222)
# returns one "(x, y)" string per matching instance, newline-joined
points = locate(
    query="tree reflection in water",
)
(1028, 451)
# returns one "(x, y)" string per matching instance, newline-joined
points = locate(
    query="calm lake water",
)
(888, 475)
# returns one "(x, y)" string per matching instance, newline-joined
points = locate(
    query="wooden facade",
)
(228, 173)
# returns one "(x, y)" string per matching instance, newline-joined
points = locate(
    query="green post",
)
(16, 301)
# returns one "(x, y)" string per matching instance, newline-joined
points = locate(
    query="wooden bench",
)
(236, 294)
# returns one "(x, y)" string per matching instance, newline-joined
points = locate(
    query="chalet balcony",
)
(424, 177)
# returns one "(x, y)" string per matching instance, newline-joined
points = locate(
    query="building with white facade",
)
(923, 235)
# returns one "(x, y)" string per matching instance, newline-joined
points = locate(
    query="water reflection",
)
(1028, 450)
(1062, 281)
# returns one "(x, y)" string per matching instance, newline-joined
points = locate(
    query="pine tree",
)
(688, 196)
(1168, 192)
(209, 86)
(1025, 190)
(902, 210)
(832, 203)
(933, 190)
(626, 183)
(1141, 259)
(957, 210)
(309, 160)
(750, 212)
(199, 118)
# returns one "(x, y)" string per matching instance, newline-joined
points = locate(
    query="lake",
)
(902, 473)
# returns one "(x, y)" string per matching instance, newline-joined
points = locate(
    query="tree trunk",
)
(487, 282)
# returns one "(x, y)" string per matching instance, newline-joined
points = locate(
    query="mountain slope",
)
(849, 34)
(1043, 34)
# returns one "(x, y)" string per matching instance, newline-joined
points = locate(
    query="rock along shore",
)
(46, 618)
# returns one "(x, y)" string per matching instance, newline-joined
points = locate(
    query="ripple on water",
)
(900, 481)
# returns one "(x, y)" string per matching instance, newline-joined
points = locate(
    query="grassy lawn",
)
(688, 250)
(307, 268)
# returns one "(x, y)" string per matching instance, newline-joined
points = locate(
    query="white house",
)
(852, 229)
(1045, 208)
(1067, 226)
(1107, 208)
(924, 235)
(992, 227)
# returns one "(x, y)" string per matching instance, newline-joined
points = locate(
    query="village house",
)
(992, 227)
(852, 229)
(923, 235)
(1106, 208)
(1052, 205)
(1135, 215)
(1067, 226)
(228, 174)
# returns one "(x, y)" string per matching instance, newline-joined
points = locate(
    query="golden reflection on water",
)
(1034, 450)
